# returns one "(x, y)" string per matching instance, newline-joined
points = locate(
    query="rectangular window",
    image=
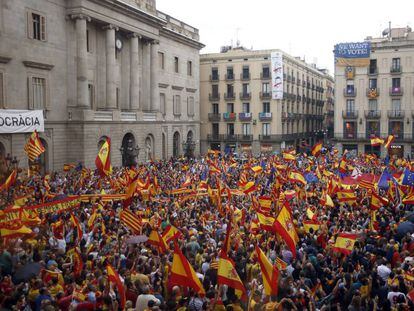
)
(230, 128)
(396, 63)
(38, 93)
(266, 107)
(350, 89)
(36, 26)
(2, 87)
(88, 46)
(266, 129)
(177, 105)
(215, 129)
(190, 106)
(214, 74)
(372, 105)
(396, 105)
(215, 108)
(162, 103)
(396, 83)
(246, 107)
(372, 83)
(189, 68)
(265, 88)
(350, 105)
(246, 128)
(91, 95)
(230, 107)
(161, 60)
(396, 128)
(230, 89)
(350, 129)
(373, 128)
(246, 88)
(266, 72)
(118, 97)
(230, 73)
(215, 90)
(372, 66)
(176, 64)
(246, 72)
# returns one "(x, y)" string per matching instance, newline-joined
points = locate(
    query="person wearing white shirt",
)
(144, 298)
(383, 272)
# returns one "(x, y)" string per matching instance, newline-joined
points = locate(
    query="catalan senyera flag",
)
(227, 275)
(34, 147)
(389, 141)
(270, 273)
(249, 187)
(286, 229)
(9, 181)
(344, 243)
(297, 177)
(280, 264)
(311, 224)
(265, 202)
(156, 240)
(170, 233)
(130, 220)
(183, 274)
(114, 278)
(376, 141)
(346, 196)
(103, 159)
(377, 201)
(316, 149)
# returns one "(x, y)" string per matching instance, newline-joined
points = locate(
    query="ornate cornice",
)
(38, 65)
(4, 59)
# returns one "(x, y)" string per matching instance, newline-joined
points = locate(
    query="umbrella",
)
(137, 239)
(26, 272)
(410, 217)
(404, 228)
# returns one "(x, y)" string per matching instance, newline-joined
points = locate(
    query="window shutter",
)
(29, 92)
(29, 23)
(47, 97)
(43, 28)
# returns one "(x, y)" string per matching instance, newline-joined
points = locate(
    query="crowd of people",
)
(61, 262)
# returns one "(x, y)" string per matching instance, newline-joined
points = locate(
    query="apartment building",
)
(239, 112)
(98, 69)
(377, 99)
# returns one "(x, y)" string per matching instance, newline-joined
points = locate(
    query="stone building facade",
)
(99, 68)
(237, 110)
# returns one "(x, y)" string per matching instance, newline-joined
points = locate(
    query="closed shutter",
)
(29, 23)
(43, 28)
(29, 93)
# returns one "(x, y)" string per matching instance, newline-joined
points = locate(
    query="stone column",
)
(81, 61)
(155, 94)
(110, 67)
(134, 71)
(146, 77)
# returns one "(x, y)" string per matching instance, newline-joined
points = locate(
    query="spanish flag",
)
(311, 215)
(342, 165)
(316, 149)
(377, 201)
(286, 229)
(74, 253)
(77, 226)
(266, 222)
(288, 157)
(346, 196)
(170, 233)
(227, 275)
(9, 181)
(183, 274)
(311, 224)
(376, 141)
(156, 240)
(344, 243)
(114, 278)
(68, 167)
(34, 147)
(92, 218)
(297, 177)
(103, 159)
(29, 218)
(48, 275)
(14, 230)
(270, 274)
(132, 221)
(389, 141)
(249, 187)
(257, 169)
(265, 202)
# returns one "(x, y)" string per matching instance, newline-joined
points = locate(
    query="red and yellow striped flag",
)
(34, 147)
(297, 177)
(114, 278)
(183, 274)
(9, 181)
(156, 240)
(286, 229)
(344, 243)
(270, 274)
(389, 141)
(170, 233)
(133, 222)
(227, 275)
(376, 141)
(316, 149)
(103, 159)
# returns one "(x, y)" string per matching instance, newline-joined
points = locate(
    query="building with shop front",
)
(377, 99)
(239, 111)
(97, 69)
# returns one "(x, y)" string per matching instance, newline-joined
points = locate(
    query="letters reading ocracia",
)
(19, 121)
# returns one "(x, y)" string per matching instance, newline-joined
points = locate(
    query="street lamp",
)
(129, 154)
(15, 162)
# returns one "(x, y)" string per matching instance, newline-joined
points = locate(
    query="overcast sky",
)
(307, 28)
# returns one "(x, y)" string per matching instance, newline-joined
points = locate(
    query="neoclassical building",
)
(97, 69)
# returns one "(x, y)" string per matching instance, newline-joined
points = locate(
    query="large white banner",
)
(21, 121)
(277, 75)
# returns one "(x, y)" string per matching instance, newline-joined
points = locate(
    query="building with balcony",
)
(97, 69)
(377, 100)
(253, 121)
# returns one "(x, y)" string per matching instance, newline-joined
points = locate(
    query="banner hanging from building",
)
(354, 54)
(21, 121)
(277, 75)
